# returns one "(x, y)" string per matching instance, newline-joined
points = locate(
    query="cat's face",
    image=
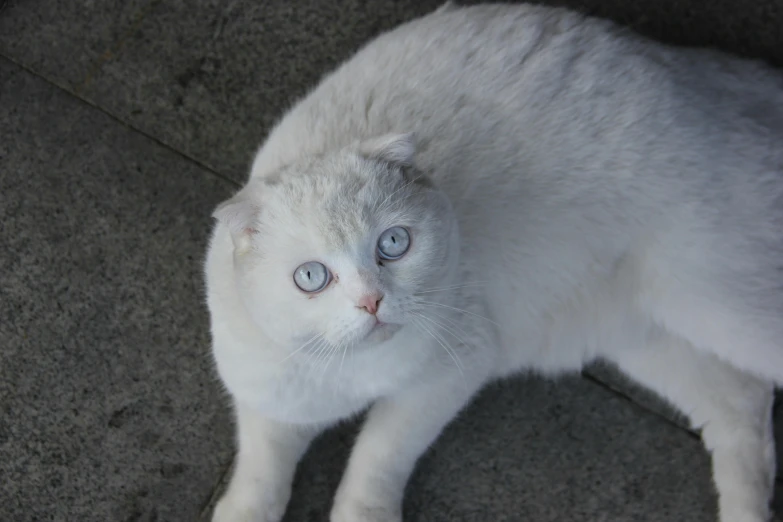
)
(334, 250)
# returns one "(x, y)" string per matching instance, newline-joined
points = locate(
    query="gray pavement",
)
(122, 124)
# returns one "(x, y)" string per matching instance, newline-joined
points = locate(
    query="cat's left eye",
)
(393, 243)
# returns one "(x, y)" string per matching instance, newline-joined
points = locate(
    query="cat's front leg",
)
(397, 431)
(267, 455)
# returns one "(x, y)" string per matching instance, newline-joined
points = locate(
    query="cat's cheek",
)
(282, 323)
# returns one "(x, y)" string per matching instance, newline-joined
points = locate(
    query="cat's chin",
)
(381, 332)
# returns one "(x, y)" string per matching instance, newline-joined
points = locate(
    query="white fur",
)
(573, 192)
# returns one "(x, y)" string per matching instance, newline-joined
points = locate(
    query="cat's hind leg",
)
(745, 335)
(732, 409)
(723, 294)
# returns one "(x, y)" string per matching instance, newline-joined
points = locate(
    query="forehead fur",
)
(340, 197)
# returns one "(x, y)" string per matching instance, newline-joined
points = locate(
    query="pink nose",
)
(371, 302)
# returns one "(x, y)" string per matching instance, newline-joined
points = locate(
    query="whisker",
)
(442, 327)
(431, 303)
(320, 364)
(328, 359)
(342, 360)
(344, 347)
(353, 372)
(454, 324)
(305, 345)
(441, 342)
(452, 287)
(317, 349)
(316, 355)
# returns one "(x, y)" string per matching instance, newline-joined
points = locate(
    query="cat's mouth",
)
(381, 331)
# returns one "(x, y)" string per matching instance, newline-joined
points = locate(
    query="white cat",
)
(494, 189)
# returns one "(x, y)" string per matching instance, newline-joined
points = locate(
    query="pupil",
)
(308, 275)
(394, 240)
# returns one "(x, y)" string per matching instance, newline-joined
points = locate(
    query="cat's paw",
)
(247, 508)
(755, 513)
(349, 510)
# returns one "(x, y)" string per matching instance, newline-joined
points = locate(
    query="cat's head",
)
(338, 247)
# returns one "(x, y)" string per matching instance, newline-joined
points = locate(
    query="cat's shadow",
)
(533, 449)
(777, 501)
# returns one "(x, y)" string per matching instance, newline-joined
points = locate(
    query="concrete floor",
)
(122, 124)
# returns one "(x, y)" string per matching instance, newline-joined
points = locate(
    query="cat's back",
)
(455, 76)
(521, 81)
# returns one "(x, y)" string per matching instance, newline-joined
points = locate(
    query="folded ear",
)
(397, 149)
(240, 215)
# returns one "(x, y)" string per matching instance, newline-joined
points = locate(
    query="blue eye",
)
(311, 277)
(393, 243)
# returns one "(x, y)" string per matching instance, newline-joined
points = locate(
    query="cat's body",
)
(572, 192)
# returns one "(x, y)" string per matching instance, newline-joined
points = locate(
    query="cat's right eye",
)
(312, 277)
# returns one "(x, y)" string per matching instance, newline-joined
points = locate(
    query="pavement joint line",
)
(598, 382)
(215, 491)
(124, 123)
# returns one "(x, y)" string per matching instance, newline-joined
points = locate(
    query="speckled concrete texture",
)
(65, 41)
(122, 124)
(110, 411)
(209, 77)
